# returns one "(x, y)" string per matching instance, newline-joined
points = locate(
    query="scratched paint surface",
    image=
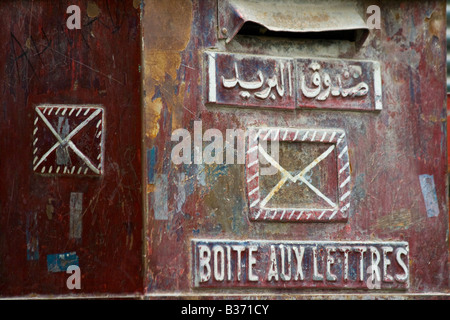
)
(44, 213)
(387, 148)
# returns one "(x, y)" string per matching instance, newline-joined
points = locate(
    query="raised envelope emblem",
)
(68, 140)
(312, 179)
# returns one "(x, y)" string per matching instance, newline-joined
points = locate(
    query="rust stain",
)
(152, 113)
(49, 209)
(435, 38)
(167, 29)
(150, 188)
(432, 118)
(168, 24)
(435, 23)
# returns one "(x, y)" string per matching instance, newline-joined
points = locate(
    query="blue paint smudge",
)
(429, 195)
(157, 93)
(61, 261)
(151, 163)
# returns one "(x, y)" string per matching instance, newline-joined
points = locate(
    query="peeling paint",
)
(429, 195)
(160, 197)
(76, 214)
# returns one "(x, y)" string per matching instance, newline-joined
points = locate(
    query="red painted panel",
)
(45, 211)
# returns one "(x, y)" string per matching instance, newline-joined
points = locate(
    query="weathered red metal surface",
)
(397, 166)
(70, 148)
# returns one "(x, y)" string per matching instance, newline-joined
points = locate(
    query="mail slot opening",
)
(255, 29)
(343, 20)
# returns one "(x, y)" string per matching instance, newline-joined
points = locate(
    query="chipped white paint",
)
(212, 77)
(344, 167)
(253, 177)
(343, 184)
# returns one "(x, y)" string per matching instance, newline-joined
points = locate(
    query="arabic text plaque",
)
(285, 83)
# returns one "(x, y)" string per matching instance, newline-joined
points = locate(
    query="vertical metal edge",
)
(194, 274)
(144, 205)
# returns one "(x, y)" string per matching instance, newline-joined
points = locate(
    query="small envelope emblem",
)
(68, 140)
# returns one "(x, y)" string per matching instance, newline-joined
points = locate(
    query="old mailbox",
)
(291, 145)
(223, 147)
